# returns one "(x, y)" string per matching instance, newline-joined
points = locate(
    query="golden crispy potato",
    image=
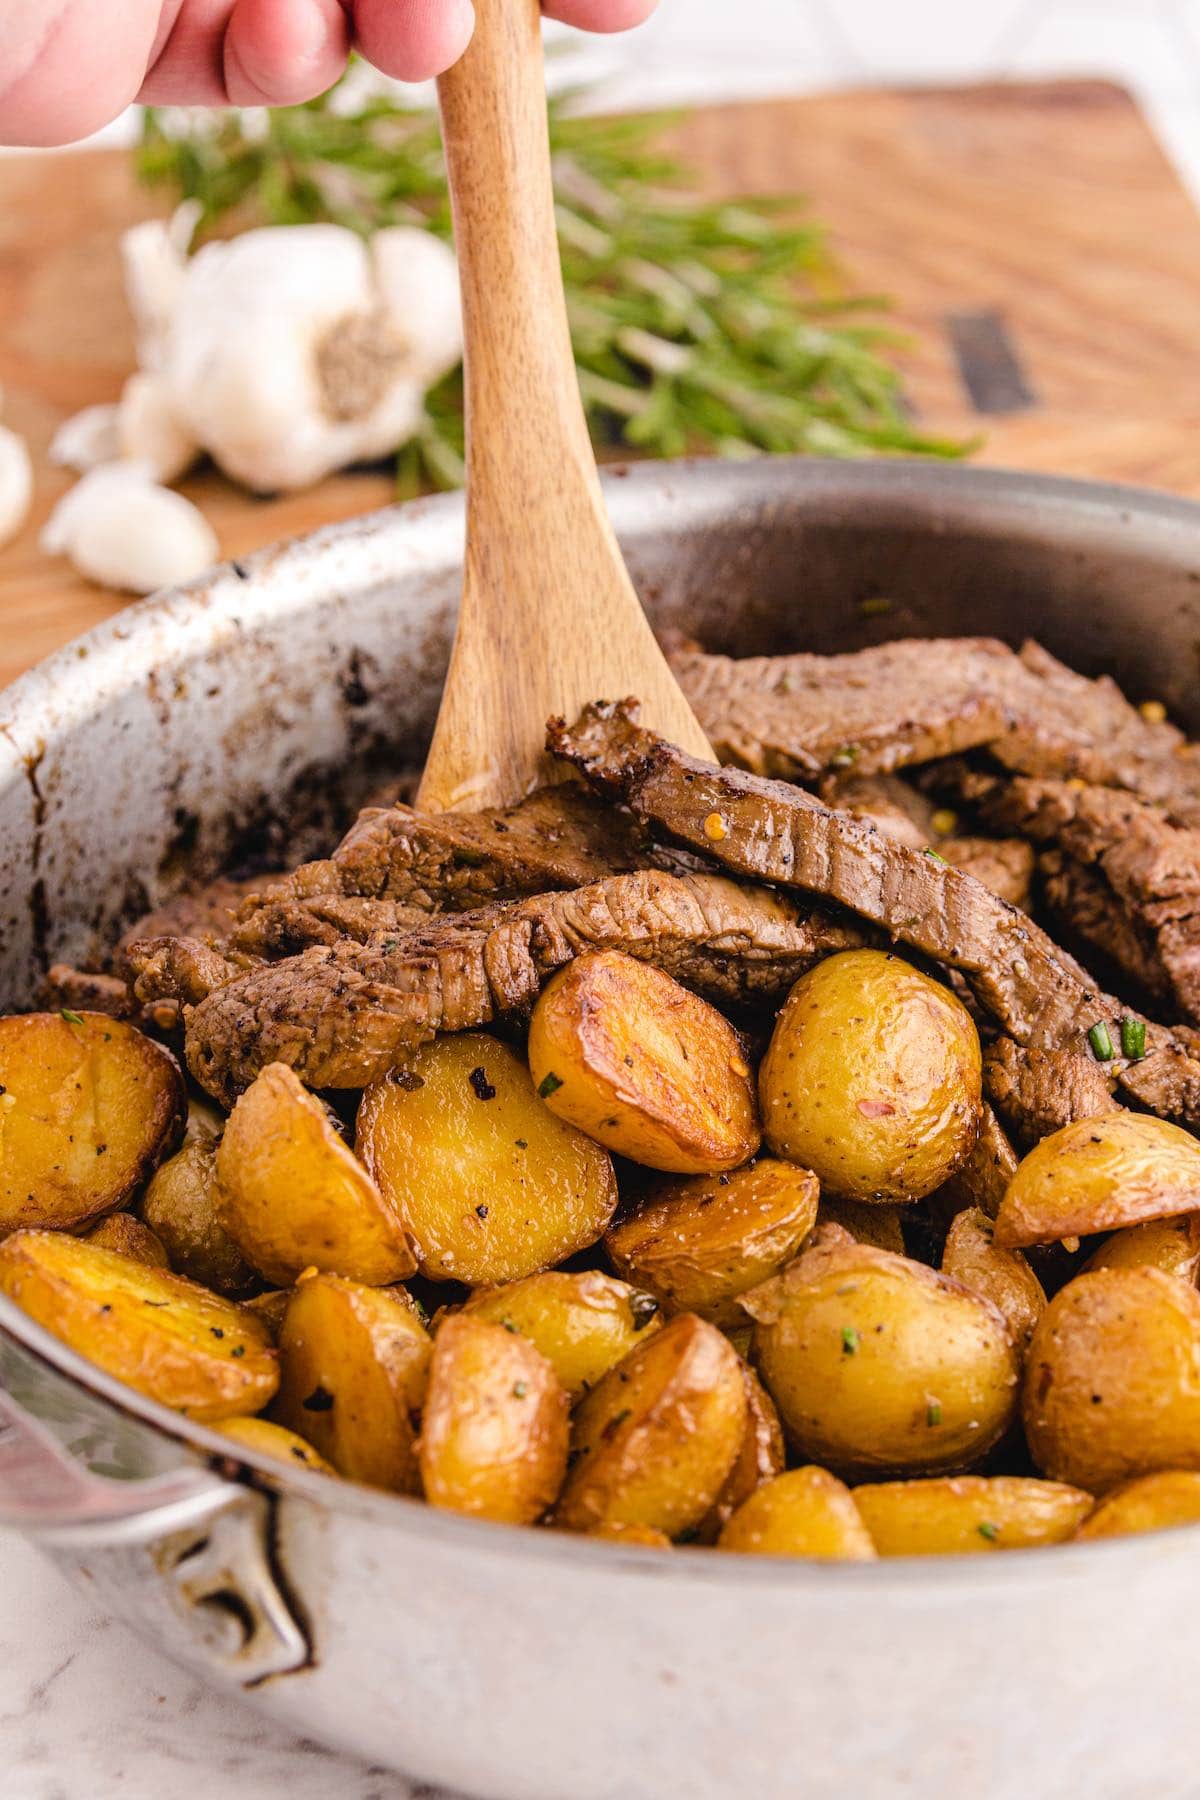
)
(876, 1362)
(180, 1207)
(873, 1078)
(653, 1443)
(1097, 1175)
(165, 1336)
(1172, 1245)
(648, 1069)
(495, 1428)
(644, 1536)
(1112, 1381)
(952, 1515)
(760, 1456)
(120, 1231)
(807, 1512)
(698, 1244)
(293, 1196)
(354, 1364)
(582, 1324)
(1004, 1277)
(489, 1184)
(866, 1223)
(1151, 1503)
(277, 1441)
(88, 1109)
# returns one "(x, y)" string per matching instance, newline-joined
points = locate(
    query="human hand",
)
(69, 66)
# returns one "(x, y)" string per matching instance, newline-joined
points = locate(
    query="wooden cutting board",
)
(1036, 241)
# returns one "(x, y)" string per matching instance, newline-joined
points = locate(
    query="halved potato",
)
(276, 1440)
(355, 1363)
(1112, 1381)
(1100, 1174)
(645, 1067)
(867, 1223)
(293, 1196)
(495, 1429)
(489, 1184)
(876, 1362)
(120, 1231)
(653, 1443)
(582, 1324)
(180, 1207)
(1172, 1245)
(873, 1078)
(1151, 1503)
(88, 1108)
(807, 1512)
(165, 1336)
(956, 1514)
(760, 1456)
(698, 1244)
(972, 1256)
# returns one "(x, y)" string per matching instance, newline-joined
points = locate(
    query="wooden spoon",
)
(550, 618)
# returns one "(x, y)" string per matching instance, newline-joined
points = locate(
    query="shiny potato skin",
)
(761, 1455)
(699, 1243)
(354, 1364)
(120, 1231)
(646, 1068)
(1112, 1380)
(653, 1443)
(489, 1184)
(495, 1429)
(584, 1325)
(972, 1256)
(293, 1196)
(180, 1207)
(877, 1363)
(956, 1515)
(89, 1106)
(1172, 1245)
(644, 1537)
(807, 1512)
(168, 1338)
(873, 1078)
(1150, 1503)
(276, 1440)
(1098, 1175)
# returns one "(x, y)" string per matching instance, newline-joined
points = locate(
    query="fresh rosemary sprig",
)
(699, 325)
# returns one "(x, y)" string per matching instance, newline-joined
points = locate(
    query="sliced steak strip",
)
(987, 1171)
(1005, 865)
(1037, 1091)
(275, 928)
(340, 1014)
(774, 832)
(892, 805)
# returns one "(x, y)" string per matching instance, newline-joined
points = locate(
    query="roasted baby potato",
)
(495, 1428)
(873, 1078)
(653, 1443)
(276, 1440)
(1112, 1381)
(582, 1324)
(123, 1233)
(876, 1224)
(292, 1196)
(972, 1257)
(645, 1536)
(1151, 1503)
(1172, 1245)
(876, 1362)
(180, 1207)
(1100, 1174)
(807, 1512)
(952, 1515)
(645, 1067)
(698, 1244)
(354, 1367)
(489, 1184)
(164, 1336)
(88, 1109)
(760, 1456)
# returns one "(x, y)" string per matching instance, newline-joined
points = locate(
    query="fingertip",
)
(600, 15)
(413, 40)
(283, 52)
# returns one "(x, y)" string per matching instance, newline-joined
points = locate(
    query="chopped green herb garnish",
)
(520, 1389)
(550, 1084)
(1133, 1039)
(989, 1531)
(849, 1340)
(389, 944)
(846, 757)
(238, 1350)
(1101, 1042)
(72, 1018)
(876, 607)
(933, 1413)
(934, 857)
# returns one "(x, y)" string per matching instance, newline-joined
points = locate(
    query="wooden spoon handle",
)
(549, 616)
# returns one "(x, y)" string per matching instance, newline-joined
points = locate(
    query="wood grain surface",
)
(1047, 211)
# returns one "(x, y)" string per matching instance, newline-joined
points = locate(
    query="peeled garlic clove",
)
(416, 278)
(150, 431)
(86, 440)
(16, 484)
(121, 529)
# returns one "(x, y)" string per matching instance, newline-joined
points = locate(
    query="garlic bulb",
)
(16, 483)
(121, 529)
